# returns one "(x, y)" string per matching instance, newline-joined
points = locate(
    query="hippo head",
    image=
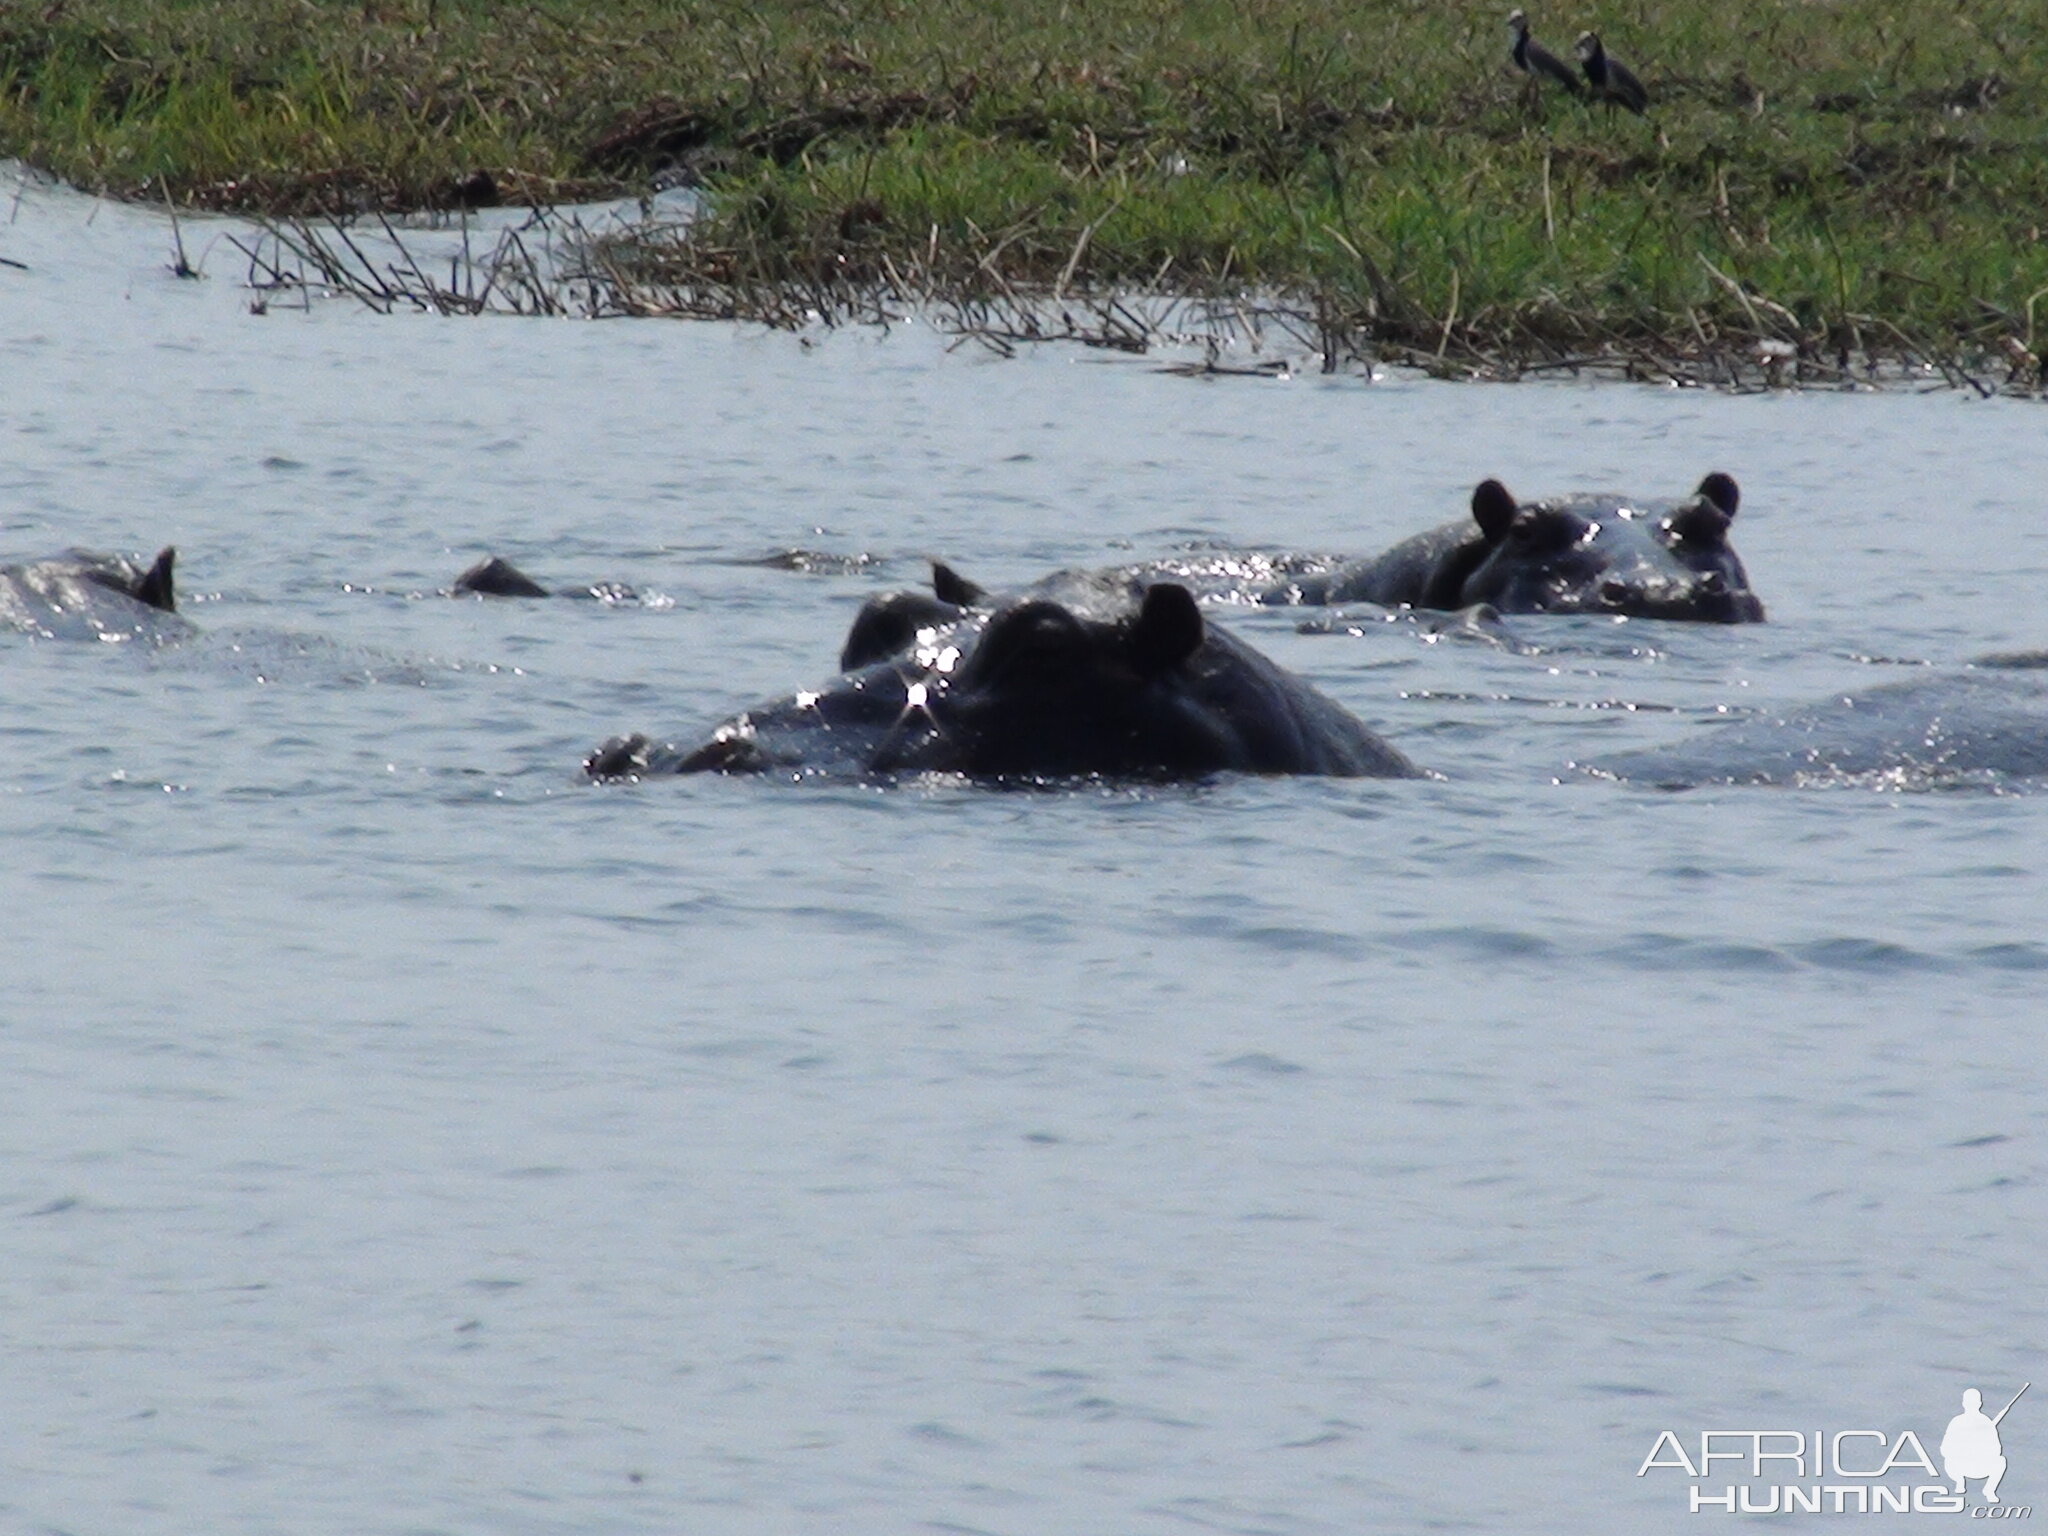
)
(1603, 554)
(1045, 691)
(1037, 689)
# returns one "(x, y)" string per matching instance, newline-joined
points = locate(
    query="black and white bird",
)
(1610, 80)
(1537, 61)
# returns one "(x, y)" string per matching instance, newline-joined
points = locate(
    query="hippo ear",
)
(1722, 491)
(949, 586)
(1700, 524)
(1168, 628)
(155, 588)
(497, 577)
(1493, 509)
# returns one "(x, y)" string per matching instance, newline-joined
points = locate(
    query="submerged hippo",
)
(494, 576)
(84, 595)
(1569, 554)
(1106, 680)
(1985, 724)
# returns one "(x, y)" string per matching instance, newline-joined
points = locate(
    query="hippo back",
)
(82, 595)
(1986, 724)
(1425, 571)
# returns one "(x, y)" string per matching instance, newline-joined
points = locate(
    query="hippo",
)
(1601, 554)
(494, 576)
(83, 595)
(1986, 723)
(1106, 679)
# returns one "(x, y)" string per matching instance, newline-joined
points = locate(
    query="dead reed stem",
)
(1014, 289)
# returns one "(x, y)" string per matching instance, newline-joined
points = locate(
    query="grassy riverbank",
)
(1856, 178)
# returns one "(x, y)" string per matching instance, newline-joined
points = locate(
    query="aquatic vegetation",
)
(1811, 191)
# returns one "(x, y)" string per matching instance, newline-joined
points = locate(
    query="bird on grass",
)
(1610, 80)
(1537, 61)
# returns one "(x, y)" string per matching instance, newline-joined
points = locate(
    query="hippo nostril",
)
(1613, 593)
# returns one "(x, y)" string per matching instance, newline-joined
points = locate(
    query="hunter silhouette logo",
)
(1849, 1471)
(1971, 1447)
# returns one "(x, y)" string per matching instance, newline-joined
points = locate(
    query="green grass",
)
(1855, 176)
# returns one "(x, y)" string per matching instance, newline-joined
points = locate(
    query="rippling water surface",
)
(402, 1136)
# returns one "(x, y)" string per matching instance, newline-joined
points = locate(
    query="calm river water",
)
(398, 1135)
